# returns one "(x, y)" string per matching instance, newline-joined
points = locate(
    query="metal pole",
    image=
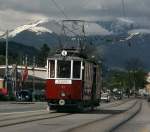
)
(33, 80)
(26, 60)
(6, 61)
(134, 82)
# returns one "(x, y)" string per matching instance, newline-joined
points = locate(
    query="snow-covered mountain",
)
(106, 35)
(1, 33)
(34, 27)
(140, 31)
(53, 26)
(50, 31)
(34, 34)
(119, 25)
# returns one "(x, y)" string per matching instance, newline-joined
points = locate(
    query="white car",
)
(105, 97)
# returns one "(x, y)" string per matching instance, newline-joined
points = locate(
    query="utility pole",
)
(8, 82)
(26, 60)
(134, 82)
(6, 61)
(33, 83)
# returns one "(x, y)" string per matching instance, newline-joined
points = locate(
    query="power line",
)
(123, 8)
(64, 14)
(65, 27)
(59, 8)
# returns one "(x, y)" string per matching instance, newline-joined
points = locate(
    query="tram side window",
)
(52, 69)
(76, 69)
(64, 69)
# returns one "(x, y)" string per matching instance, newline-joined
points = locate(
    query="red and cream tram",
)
(72, 81)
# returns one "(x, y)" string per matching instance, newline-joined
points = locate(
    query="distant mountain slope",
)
(32, 39)
(106, 35)
(50, 31)
(17, 49)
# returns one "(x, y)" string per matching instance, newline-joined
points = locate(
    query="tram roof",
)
(72, 54)
(59, 57)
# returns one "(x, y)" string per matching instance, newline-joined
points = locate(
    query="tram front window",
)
(63, 69)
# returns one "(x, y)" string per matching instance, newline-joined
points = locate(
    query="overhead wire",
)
(59, 8)
(129, 38)
(65, 15)
(67, 19)
(78, 38)
(123, 8)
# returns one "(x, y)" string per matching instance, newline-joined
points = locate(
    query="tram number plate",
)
(63, 82)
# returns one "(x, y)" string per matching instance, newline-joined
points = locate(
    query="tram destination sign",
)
(63, 81)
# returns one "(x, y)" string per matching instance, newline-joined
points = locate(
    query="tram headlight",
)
(64, 53)
(61, 102)
(63, 94)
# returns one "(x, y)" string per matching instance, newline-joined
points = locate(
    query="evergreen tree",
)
(2, 60)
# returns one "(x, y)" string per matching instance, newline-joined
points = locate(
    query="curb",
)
(23, 103)
(128, 117)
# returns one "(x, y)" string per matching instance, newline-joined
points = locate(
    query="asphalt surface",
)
(33, 106)
(140, 123)
(60, 124)
(6, 107)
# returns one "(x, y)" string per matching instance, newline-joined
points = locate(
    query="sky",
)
(14, 13)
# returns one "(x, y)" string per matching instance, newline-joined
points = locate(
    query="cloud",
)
(26, 10)
(11, 19)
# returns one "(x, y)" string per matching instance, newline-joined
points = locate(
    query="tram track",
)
(113, 108)
(9, 119)
(12, 117)
(115, 104)
(101, 123)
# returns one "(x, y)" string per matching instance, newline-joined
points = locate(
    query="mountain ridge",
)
(109, 38)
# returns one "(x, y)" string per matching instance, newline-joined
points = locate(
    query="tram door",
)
(94, 84)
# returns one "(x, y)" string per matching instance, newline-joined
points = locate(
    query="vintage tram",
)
(73, 81)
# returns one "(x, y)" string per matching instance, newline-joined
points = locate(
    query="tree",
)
(117, 79)
(136, 74)
(43, 54)
(134, 64)
(2, 60)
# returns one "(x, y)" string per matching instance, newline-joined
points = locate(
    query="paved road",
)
(59, 124)
(140, 123)
(20, 107)
(29, 106)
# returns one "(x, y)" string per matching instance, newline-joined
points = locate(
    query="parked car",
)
(105, 97)
(118, 95)
(39, 95)
(24, 95)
